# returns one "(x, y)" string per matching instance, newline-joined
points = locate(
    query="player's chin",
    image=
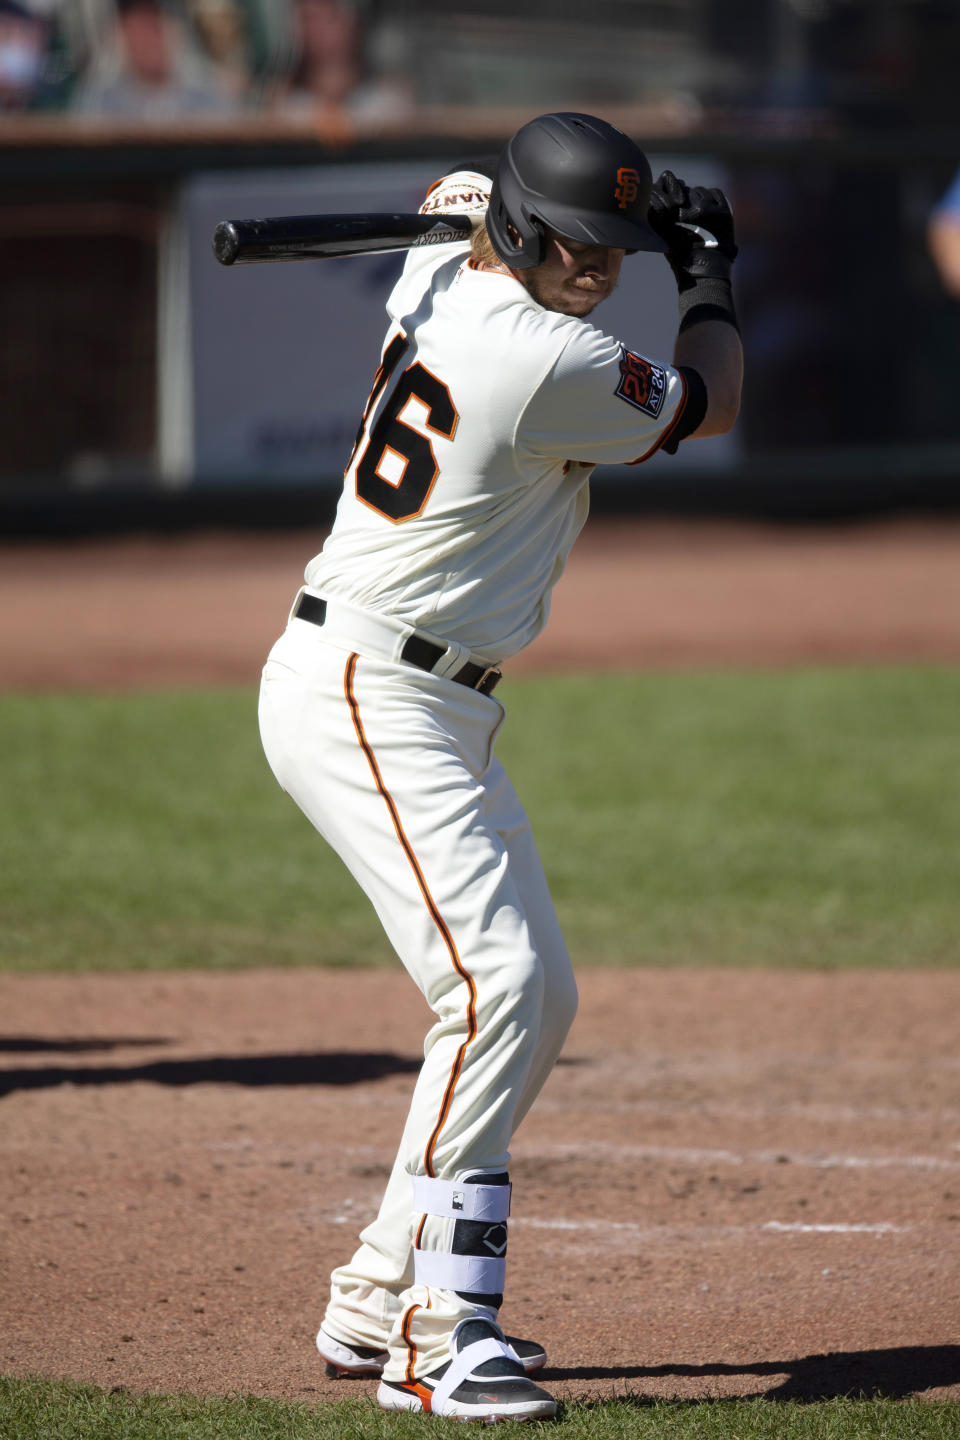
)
(580, 304)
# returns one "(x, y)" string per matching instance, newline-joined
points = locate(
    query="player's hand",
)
(464, 192)
(696, 225)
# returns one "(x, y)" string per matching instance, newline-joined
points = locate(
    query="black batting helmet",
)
(579, 176)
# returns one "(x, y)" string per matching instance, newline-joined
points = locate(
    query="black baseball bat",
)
(324, 237)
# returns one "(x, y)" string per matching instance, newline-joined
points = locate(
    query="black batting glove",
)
(696, 225)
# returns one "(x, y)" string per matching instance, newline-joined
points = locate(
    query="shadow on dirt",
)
(38, 1045)
(846, 1374)
(331, 1068)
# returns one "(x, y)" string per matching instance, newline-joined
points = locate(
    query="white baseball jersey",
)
(468, 483)
(466, 489)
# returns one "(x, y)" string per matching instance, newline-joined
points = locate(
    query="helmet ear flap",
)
(520, 240)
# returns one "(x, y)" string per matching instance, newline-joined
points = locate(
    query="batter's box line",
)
(770, 1227)
(690, 1155)
(799, 1227)
(660, 1233)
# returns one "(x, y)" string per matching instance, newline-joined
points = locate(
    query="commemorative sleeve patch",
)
(641, 383)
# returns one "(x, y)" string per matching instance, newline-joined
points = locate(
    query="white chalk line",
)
(882, 1227)
(773, 1227)
(681, 1154)
(659, 1233)
(694, 1155)
(824, 1112)
(598, 1149)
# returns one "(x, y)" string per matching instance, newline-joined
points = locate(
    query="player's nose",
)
(598, 261)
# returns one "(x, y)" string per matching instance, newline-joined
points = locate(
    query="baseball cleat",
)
(356, 1362)
(483, 1380)
(532, 1356)
(346, 1361)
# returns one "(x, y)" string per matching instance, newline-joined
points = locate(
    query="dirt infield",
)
(734, 1184)
(742, 1188)
(206, 608)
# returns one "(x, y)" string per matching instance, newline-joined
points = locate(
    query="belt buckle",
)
(489, 680)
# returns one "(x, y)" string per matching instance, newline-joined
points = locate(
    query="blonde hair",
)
(481, 247)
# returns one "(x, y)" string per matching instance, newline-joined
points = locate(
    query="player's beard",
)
(565, 298)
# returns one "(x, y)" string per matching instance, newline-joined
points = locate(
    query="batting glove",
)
(464, 192)
(696, 225)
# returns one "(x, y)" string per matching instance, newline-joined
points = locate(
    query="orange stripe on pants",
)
(431, 906)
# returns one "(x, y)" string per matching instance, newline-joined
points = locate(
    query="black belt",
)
(417, 650)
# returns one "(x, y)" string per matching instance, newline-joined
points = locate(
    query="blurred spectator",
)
(24, 34)
(221, 27)
(149, 69)
(329, 81)
(943, 238)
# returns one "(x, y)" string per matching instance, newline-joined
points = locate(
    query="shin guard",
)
(474, 1263)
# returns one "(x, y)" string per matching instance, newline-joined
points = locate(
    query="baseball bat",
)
(324, 237)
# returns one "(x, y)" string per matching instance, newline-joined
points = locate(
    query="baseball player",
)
(467, 486)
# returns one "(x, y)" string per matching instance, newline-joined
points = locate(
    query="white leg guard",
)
(473, 1261)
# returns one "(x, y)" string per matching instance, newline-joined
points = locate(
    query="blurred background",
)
(141, 381)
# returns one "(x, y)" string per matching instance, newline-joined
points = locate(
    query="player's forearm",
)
(714, 350)
(696, 227)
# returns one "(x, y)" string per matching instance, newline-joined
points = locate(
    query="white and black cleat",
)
(358, 1361)
(484, 1380)
(345, 1361)
(531, 1355)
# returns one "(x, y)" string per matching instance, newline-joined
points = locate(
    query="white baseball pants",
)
(395, 768)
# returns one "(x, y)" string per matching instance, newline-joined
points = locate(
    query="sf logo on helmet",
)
(628, 186)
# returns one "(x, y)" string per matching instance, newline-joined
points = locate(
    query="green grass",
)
(806, 818)
(35, 1409)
